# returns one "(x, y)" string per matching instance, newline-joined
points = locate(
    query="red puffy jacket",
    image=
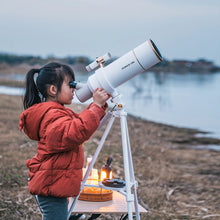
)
(56, 169)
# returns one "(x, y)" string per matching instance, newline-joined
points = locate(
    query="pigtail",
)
(31, 96)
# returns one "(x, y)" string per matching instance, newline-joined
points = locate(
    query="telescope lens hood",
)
(155, 49)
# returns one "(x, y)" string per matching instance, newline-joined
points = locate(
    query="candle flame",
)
(104, 175)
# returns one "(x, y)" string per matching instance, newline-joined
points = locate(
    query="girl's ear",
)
(52, 90)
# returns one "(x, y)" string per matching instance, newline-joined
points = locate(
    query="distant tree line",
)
(200, 65)
(12, 59)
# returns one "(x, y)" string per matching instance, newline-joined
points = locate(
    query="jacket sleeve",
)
(65, 132)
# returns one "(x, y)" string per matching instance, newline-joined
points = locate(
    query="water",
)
(189, 100)
(11, 90)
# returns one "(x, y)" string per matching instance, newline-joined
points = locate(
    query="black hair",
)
(51, 74)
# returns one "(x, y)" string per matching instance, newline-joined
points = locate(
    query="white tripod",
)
(130, 187)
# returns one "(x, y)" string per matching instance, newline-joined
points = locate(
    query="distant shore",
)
(8, 73)
(22, 64)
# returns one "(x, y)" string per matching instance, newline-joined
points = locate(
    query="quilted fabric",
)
(56, 169)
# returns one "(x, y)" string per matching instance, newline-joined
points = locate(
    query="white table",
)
(117, 205)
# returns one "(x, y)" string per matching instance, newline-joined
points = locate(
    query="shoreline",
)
(193, 136)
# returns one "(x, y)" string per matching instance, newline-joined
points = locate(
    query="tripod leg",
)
(104, 136)
(124, 217)
(131, 169)
(129, 196)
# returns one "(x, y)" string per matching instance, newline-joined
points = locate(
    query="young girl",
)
(56, 170)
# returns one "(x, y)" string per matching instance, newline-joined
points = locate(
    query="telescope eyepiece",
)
(72, 84)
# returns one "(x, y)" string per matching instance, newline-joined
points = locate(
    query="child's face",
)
(65, 96)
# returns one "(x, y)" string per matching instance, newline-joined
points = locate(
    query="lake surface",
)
(189, 100)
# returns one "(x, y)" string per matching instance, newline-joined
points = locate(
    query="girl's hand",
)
(100, 96)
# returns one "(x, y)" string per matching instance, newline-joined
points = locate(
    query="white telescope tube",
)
(121, 70)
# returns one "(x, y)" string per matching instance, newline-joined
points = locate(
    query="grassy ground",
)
(175, 180)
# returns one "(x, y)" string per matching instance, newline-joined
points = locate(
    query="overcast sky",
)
(186, 29)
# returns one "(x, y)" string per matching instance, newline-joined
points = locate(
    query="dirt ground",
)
(175, 180)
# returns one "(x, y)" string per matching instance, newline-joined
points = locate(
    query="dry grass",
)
(11, 83)
(175, 181)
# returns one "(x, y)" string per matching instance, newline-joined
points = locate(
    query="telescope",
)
(119, 71)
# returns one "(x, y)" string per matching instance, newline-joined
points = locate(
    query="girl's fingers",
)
(103, 93)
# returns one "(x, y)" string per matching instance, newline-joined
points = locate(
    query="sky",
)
(188, 29)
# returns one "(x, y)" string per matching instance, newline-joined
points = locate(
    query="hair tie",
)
(35, 76)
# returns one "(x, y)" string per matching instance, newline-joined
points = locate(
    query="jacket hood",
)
(31, 118)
